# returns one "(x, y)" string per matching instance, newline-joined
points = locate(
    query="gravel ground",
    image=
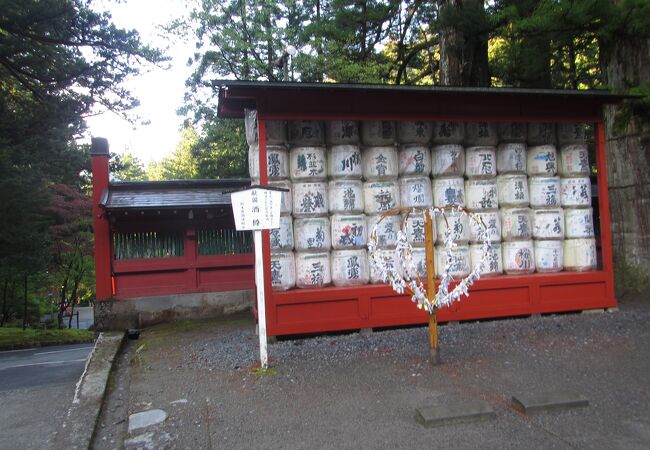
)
(361, 390)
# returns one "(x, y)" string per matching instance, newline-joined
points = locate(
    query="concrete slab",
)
(461, 411)
(145, 419)
(531, 403)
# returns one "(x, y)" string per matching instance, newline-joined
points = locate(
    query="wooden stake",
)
(431, 289)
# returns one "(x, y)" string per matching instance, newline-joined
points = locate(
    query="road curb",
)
(79, 423)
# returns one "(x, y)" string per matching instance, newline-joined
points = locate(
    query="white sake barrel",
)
(458, 224)
(286, 199)
(512, 132)
(312, 234)
(460, 261)
(541, 160)
(516, 224)
(414, 132)
(448, 191)
(541, 133)
(277, 162)
(415, 192)
(481, 194)
(380, 196)
(448, 160)
(276, 130)
(342, 132)
(494, 262)
(386, 229)
(345, 196)
(492, 220)
(580, 255)
(310, 199)
(579, 223)
(349, 231)
(574, 160)
(350, 267)
(549, 256)
(480, 162)
(306, 132)
(308, 163)
(389, 258)
(518, 257)
(313, 270)
(481, 133)
(544, 192)
(571, 133)
(380, 163)
(513, 190)
(511, 158)
(250, 126)
(254, 162)
(378, 132)
(283, 271)
(419, 257)
(448, 132)
(344, 161)
(282, 238)
(575, 192)
(414, 159)
(415, 231)
(548, 224)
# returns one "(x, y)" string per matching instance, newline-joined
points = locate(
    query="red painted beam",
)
(99, 157)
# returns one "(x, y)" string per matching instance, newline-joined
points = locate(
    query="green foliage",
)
(19, 338)
(181, 164)
(126, 166)
(222, 152)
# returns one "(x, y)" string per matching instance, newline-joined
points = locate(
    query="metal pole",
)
(434, 353)
(261, 303)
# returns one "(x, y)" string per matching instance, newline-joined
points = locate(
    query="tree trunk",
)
(4, 303)
(451, 38)
(62, 296)
(25, 302)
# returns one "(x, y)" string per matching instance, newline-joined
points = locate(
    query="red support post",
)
(99, 157)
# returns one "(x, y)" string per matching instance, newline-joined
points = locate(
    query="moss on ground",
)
(12, 338)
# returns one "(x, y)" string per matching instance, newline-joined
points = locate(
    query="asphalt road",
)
(36, 389)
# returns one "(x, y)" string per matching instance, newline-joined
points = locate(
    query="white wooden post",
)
(261, 301)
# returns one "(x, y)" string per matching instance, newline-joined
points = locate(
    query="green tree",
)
(126, 166)
(181, 164)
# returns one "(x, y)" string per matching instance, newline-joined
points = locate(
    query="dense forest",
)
(60, 61)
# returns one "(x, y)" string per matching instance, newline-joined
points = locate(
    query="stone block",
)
(461, 411)
(531, 403)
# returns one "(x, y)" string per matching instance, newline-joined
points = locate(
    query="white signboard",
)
(256, 209)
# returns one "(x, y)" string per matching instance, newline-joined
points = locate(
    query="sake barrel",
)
(448, 132)
(512, 132)
(254, 162)
(415, 231)
(541, 160)
(415, 192)
(516, 224)
(481, 133)
(457, 222)
(378, 132)
(283, 271)
(419, 258)
(344, 161)
(448, 191)
(580, 255)
(492, 220)
(312, 234)
(414, 132)
(349, 231)
(342, 132)
(579, 223)
(282, 238)
(571, 133)
(389, 259)
(574, 160)
(345, 196)
(286, 199)
(549, 256)
(448, 160)
(541, 133)
(380, 196)
(511, 158)
(481, 194)
(548, 224)
(310, 199)
(276, 130)
(518, 257)
(277, 162)
(313, 270)
(480, 162)
(544, 192)
(414, 159)
(386, 229)
(308, 163)
(493, 263)
(250, 126)
(575, 191)
(513, 190)
(460, 261)
(380, 163)
(350, 267)
(306, 133)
